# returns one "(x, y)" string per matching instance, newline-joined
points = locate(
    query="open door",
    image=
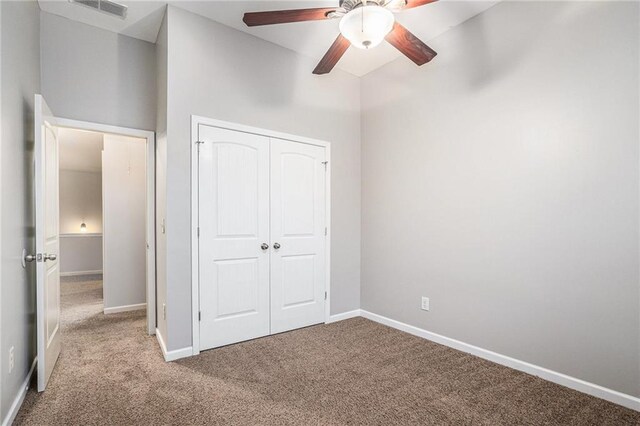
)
(47, 241)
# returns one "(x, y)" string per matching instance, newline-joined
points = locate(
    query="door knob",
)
(27, 258)
(50, 257)
(276, 246)
(264, 246)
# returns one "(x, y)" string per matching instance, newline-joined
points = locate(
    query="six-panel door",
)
(261, 207)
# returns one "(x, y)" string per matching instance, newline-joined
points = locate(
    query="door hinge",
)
(198, 232)
(325, 165)
(199, 315)
(325, 231)
(325, 295)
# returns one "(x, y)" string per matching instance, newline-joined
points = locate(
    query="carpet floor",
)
(354, 372)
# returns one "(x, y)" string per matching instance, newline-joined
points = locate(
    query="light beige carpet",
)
(348, 373)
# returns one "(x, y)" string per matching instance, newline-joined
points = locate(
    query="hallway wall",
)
(124, 236)
(80, 201)
(80, 254)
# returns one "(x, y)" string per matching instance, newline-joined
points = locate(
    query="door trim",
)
(150, 203)
(196, 121)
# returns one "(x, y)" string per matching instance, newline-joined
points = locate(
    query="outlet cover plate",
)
(425, 303)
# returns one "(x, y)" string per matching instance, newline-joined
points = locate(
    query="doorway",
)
(102, 217)
(107, 213)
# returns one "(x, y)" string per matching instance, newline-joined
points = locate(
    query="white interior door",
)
(297, 235)
(47, 242)
(234, 236)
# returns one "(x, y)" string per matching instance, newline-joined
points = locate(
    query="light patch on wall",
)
(80, 150)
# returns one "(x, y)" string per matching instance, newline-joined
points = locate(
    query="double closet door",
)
(262, 235)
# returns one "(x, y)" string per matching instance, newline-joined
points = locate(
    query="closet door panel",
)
(297, 235)
(234, 223)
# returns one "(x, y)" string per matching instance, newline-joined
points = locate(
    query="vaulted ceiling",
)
(311, 39)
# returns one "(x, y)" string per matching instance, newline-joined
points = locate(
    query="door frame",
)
(150, 138)
(196, 121)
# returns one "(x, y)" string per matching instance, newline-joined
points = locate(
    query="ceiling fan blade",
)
(333, 55)
(415, 3)
(411, 46)
(253, 19)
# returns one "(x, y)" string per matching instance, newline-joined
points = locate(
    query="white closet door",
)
(297, 235)
(234, 225)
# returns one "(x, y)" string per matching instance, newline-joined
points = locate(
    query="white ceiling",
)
(80, 150)
(311, 39)
(314, 38)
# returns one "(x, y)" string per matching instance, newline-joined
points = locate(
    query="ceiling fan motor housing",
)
(352, 4)
(347, 6)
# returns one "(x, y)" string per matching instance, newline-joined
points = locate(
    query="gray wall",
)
(161, 179)
(124, 195)
(501, 181)
(80, 254)
(20, 81)
(95, 75)
(222, 73)
(80, 201)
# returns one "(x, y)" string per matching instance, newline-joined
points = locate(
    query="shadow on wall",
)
(130, 81)
(152, 20)
(496, 64)
(245, 58)
(29, 216)
(494, 56)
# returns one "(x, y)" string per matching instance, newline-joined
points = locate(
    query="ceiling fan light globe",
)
(365, 27)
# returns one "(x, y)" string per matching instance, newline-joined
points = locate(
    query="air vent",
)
(105, 6)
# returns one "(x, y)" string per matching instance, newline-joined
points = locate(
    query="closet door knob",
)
(276, 246)
(264, 246)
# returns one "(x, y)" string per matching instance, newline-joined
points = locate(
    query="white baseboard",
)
(553, 376)
(175, 354)
(17, 402)
(77, 273)
(124, 308)
(343, 316)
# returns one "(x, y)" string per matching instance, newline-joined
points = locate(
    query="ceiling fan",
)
(363, 24)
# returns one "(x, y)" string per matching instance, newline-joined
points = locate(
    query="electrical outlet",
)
(164, 311)
(425, 303)
(11, 359)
